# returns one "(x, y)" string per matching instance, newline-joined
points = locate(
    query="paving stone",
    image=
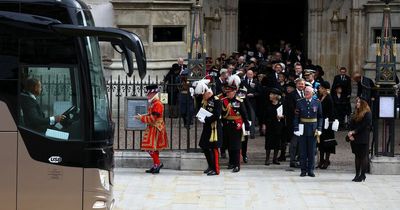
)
(253, 188)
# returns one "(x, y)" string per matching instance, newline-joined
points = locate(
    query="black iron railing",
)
(180, 136)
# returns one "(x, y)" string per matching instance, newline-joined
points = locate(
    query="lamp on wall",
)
(216, 19)
(335, 21)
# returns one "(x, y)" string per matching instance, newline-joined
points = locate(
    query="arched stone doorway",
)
(272, 21)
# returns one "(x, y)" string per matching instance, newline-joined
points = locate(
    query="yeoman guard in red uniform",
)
(155, 135)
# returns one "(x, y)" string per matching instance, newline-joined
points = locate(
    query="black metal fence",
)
(181, 136)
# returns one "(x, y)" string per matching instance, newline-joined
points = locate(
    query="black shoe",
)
(355, 178)
(360, 178)
(207, 170)
(294, 165)
(212, 173)
(320, 164)
(267, 163)
(245, 159)
(157, 169)
(230, 166)
(150, 170)
(223, 155)
(236, 169)
(325, 164)
(275, 162)
(311, 174)
(303, 174)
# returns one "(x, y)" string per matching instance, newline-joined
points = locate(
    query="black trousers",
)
(212, 156)
(234, 157)
(244, 146)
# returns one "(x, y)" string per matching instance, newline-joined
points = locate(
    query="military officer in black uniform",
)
(234, 117)
(211, 136)
(308, 113)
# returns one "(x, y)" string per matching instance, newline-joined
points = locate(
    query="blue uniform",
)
(309, 113)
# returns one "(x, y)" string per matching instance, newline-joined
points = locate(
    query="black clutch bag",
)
(347, 138)
(330, 143)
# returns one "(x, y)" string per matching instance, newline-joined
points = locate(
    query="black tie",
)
(342, 78)
(302, 94)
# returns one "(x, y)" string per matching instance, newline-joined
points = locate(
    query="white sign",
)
(164, 98)
(133, 107)
(386, 107)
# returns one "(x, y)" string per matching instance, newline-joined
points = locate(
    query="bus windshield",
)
(102, 113)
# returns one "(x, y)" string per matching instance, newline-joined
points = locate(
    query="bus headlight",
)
(100, 205)
(105, 179)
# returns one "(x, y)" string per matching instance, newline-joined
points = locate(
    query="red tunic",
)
(155, 135)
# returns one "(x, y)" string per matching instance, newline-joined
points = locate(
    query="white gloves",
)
(335, 125)
(297, 133)
(318, 132)
(201, 119)
(191, 90)
(326, 123)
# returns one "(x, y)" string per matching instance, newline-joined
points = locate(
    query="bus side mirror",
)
(126, 57)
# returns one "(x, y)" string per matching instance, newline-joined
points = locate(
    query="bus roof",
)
(67, 3)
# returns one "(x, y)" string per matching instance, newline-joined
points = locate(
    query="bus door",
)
(52, 156)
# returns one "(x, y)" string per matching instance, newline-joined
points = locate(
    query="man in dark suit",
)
(344, 81)
(365, 87)
(220, 81)
(309, 113)
(289, 55)
(292, 99)
(272, 76)
(182, 66)
(33, 115)
(252, 87)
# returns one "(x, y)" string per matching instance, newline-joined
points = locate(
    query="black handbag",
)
(347, 138)
(330, 143)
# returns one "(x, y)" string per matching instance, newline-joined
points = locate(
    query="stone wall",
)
(350, 46)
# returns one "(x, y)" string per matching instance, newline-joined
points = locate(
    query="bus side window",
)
(44, 108)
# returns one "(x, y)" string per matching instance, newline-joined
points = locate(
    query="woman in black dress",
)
(326, 147)
(342, 106)
(360, 127)
(273, 125)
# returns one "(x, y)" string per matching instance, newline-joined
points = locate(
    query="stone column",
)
(356, 53)
(224, 39)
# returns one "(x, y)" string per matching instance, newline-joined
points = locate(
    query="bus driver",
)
(33, 115)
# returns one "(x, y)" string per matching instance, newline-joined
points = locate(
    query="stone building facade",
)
(351, 43)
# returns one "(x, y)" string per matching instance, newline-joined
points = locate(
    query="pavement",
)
(254, 187)
(258, 186)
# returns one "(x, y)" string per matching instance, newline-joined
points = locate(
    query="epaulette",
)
(239, 99)
(219, 96)
(301, 99)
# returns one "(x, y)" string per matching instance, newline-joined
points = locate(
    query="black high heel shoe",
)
(320, 164)
(361, 178)
(355, 178)
(325, 164)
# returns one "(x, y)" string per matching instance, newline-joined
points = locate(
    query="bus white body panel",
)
(8, 159)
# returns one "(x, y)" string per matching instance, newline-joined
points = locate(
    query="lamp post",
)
(385, 101)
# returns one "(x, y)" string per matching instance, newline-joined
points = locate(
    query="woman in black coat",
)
(360, 127)
(325, 146)
(273, 126)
